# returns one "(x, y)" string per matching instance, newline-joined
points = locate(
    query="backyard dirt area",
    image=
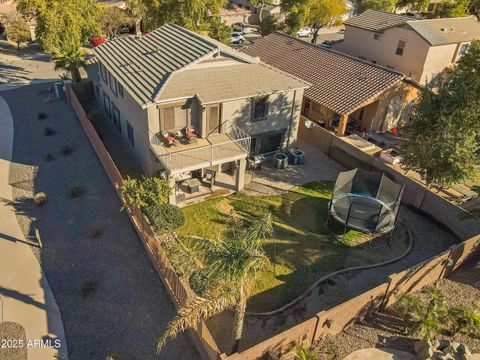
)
(382, 330)
(111, 299)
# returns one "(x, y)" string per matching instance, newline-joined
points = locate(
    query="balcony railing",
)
(230, 145)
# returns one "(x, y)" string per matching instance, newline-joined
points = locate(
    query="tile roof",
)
(448, 30)
(228, 82)
(142, 64)
(340, 82)
(377, 21)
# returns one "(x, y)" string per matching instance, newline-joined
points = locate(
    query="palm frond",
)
(190, 315)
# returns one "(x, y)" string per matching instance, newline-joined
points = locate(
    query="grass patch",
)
(302, 249)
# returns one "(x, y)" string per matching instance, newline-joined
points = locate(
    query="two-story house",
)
(348, 94)
(191, 108)
(421, 49)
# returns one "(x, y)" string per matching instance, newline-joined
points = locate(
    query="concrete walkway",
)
(27, 297)
(380, 354)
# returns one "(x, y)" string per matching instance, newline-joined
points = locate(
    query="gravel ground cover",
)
(382, 330)
(111, 299)
(10, 331)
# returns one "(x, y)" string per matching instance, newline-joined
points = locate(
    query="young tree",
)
(111, 19)
(218, 30)
(17, 29)
(71, 57)
(58, 19)
(313, 13)
(453, 8)
(231, 266)
(359, 6)
(443, 136)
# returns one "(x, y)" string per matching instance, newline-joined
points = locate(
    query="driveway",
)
(111, 299)
(26, 296)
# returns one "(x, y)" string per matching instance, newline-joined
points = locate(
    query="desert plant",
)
(303, 352)
(165, 217)
(48, 157)
(40, 199)
(96, 230)
(200, 282)
(49, 131)
(87, 287)
(464, 319)
(233, 266)
(66, 149)
(42, 116)
(425, 318)
(76, 191)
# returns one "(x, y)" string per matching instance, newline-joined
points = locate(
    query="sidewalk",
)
(27, 298)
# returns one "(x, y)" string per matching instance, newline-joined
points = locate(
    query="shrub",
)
(146, 192)
(49, 131)
(67, 149)
(464, 319)
(200, 282)
(40, 199)
(76, 191)
(48, 157)
(165, 217)
(42, 116)
(87, 287)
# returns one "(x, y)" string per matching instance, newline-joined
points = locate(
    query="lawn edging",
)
(338, 272)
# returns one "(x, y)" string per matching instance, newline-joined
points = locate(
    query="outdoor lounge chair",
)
(191, 135)
(169, 139)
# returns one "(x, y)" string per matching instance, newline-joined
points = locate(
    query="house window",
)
(113, 84)
(174, 118)
(400, 47)
(103, 73)
(463, 49)
(120, 89)
(377, 36)
(116, 118)
(106, 103)
(130, 133)
(260, 108)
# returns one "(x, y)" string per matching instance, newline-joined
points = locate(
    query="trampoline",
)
(365, 201)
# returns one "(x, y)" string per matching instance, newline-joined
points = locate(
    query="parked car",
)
(304, 32)
(237, 37)
(327, 44)
(243, 27)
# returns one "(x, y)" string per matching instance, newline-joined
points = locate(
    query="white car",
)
(237, 37)
(243, 27)
(304, 32)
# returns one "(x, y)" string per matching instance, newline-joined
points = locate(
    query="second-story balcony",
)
(230, 145)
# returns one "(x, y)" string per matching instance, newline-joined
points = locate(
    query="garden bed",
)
(302, 249)
(386, 330)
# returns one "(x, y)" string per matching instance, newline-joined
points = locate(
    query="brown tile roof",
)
(340, 82)
(378, 21)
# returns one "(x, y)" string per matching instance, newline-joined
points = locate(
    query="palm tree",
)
(232, 265)
(71, 57)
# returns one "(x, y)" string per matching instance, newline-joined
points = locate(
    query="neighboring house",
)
(347, 94)
(270, 8)
(234, 14)
(421, 49)
(189, 107)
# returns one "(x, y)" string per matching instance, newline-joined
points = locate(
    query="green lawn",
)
(302, 249)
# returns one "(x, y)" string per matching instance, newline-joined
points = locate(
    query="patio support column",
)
(240, 176)
(342, 125)
(172, 199)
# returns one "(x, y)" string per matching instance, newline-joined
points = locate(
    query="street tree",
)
(443, 136)
(313, 13)
(453, 8)
(359, 6)
(17, 29)
(412, 5)
(58, 19)
(111, 19)
(230, 268)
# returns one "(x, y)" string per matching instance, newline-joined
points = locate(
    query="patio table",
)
(193, 185)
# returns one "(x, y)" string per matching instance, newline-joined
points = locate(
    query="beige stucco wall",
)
(360, 42)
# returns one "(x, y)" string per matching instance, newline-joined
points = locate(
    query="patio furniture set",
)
(187, 135)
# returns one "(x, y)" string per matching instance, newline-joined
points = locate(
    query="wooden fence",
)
(175, 288)
(328, 322)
